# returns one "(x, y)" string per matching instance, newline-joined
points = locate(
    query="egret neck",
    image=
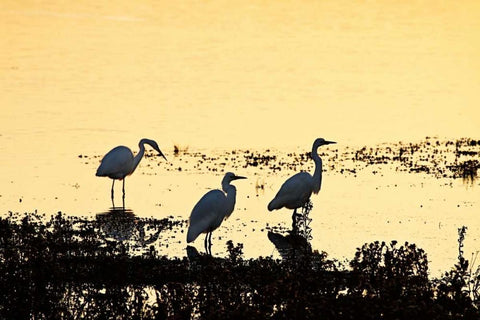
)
(317, 175)
(231, 192)
(139, 156)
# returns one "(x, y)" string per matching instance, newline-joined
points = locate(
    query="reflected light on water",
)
(225, 77)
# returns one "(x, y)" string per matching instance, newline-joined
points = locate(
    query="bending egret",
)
(296, 191)
(120, 162)
(211, 210)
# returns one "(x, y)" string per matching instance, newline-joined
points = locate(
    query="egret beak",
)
(162, 155)
(155, 146)
(238, 177)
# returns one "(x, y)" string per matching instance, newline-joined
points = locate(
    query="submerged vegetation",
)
(66, 267)
(441, 159)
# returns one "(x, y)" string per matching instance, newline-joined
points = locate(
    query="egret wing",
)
(116, 163)
(294, 192)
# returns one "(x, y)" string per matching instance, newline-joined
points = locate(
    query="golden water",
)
(79, 78)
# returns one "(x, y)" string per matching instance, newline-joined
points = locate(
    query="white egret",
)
(296, 191)
(211, 210)
(120, 162)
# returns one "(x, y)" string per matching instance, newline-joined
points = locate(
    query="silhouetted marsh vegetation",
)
(66, 267)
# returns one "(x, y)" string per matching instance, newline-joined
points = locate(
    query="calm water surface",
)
(80, 78)
(377, 202)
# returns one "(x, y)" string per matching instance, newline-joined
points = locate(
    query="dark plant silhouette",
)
(457, 290)
(66, 268)
(392, 276)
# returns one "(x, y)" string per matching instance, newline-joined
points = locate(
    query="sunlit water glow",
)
(247, 87)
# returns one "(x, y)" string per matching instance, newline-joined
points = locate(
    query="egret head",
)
(320, 142)
(230, 176)
(154, 145)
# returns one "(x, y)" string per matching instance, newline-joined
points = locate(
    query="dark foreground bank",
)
(68, 268)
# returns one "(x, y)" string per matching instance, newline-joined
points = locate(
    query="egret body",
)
(296, 191)
(211, 210)
(120, 162)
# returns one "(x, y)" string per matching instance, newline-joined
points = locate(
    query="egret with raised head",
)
(120, 162)
(296, 191)
(211, 210)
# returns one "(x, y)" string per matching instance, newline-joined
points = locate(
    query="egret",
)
(211, 210)
(120, 162)
(296, 191)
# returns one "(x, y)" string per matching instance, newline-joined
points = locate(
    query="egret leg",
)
(123, 189)
(210, 243)
(206, 242)
(111, 191)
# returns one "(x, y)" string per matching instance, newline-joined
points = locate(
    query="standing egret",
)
(211, 210)
(120, 162)
(296, 191)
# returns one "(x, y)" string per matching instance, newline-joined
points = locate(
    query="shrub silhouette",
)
(393, 279)
(390, 272)
(66, 268)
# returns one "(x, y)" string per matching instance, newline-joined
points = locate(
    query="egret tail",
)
(274, 205)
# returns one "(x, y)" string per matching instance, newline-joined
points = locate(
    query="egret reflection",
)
(122, 224)
(296, 243)
(290, 246)
(192, 253)
(117, 223)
